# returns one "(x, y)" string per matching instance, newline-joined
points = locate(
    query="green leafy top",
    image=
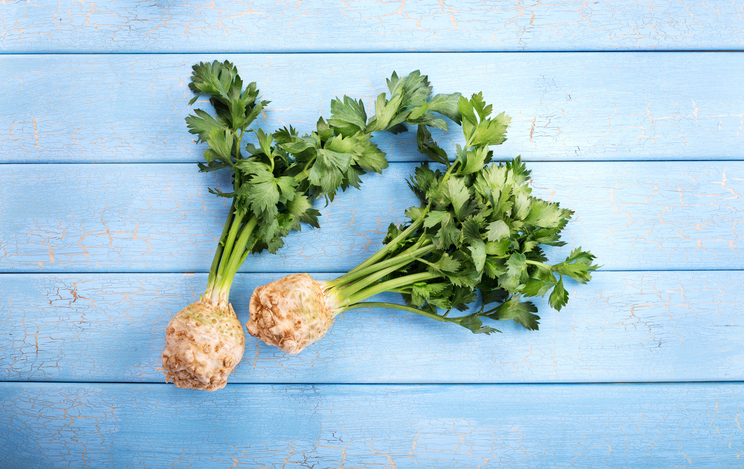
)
(236, 108)
(277, 178)
(478, 230)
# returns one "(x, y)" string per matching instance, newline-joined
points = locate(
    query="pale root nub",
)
(203, 344)
(291, 313)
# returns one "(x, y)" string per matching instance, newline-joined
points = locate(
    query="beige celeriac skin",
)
(291, 313)
(203, 344)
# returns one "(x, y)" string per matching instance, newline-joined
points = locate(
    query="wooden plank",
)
(627, 327)
(582, 426)
(610, 106)
(366, 25)
(160, 218)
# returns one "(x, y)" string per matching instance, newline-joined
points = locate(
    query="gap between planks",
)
(393, 384)
(370, 52)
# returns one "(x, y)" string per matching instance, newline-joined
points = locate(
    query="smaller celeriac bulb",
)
(291, 313)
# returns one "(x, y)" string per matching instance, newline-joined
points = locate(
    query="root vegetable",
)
(291, 313)
(274, 187)
(478, 233)
(203, 343)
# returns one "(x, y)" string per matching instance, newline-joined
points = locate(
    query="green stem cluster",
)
(363, 282)
(233, 248)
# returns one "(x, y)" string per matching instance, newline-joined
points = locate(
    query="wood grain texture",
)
(367, 25)
(621, 327)
(160, 218)
(582, 426)
(609, 106)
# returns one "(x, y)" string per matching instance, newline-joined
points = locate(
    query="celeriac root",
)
(203, 344)
(290, 313)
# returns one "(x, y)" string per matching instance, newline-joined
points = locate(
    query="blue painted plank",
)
(580, 426)
(160, 218)
(367, 25)
(627, 327)
(610, 106)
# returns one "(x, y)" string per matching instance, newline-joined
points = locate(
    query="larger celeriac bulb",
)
(203, 344)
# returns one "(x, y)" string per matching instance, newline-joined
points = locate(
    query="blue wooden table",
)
(630, 113)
